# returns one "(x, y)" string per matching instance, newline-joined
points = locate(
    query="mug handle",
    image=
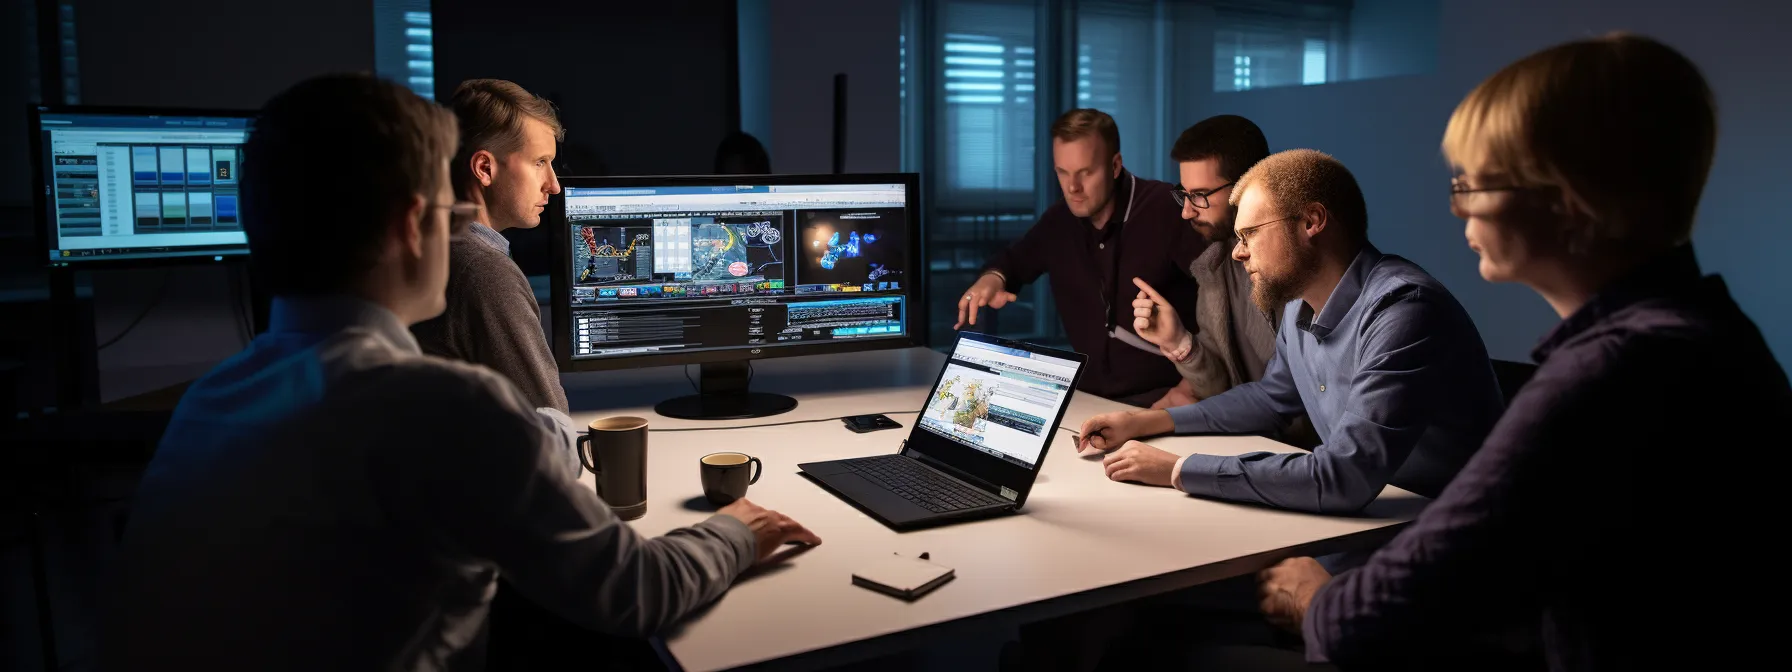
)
(758, 468)
(590, 464)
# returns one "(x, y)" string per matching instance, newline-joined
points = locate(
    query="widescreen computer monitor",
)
(723, 270)
(138, 186)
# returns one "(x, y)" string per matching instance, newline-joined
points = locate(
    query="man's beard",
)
(1216, 232)
(1271, 291)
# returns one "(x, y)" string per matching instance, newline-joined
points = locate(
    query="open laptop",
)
(977, 447)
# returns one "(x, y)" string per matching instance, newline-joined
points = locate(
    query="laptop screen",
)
(1000, 400)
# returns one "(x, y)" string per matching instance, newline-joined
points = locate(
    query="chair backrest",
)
(1511, 376)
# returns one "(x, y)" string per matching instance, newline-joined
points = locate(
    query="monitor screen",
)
(999, 400)
(684, 268)
(141, 186)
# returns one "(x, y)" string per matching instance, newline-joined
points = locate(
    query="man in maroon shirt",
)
(1111, 227)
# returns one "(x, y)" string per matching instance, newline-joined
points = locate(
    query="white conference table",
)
(1081, 542)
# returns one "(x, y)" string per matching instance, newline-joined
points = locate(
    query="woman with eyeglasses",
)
(1603, 511)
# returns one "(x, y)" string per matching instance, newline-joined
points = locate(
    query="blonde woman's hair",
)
(1622, 125)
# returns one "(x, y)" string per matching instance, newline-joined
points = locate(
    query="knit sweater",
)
(492, 319)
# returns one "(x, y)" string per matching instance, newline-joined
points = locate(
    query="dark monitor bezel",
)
(915, 313)
(40, 189)
(964, 460)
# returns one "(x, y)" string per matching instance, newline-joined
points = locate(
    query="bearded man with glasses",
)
(1382, 359)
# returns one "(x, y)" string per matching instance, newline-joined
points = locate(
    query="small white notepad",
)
(903, 577)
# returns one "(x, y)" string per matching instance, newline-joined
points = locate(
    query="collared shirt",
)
(1392, 374)
(489, 236)
(331, 498)
(1091, 275)
(1610, 510)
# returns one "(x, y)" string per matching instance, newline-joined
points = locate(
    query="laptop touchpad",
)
(873, 496)
(825, 468)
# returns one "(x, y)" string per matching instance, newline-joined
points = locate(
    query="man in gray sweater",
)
(506, 164)
(1233, 340)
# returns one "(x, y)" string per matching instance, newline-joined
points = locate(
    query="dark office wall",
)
(644, 85)
(215, 53)
(197, 53)
(15, 94)
(1387, 131)
(808, 42)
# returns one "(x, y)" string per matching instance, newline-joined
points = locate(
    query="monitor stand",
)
(722, 395)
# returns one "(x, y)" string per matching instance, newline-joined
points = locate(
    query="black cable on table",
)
(773, 424)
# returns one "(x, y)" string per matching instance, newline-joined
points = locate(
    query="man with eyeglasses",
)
(1113, 226)
(1232, 341)
(333, 498)
(1382, 359)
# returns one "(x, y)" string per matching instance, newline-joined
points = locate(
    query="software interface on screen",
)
(658, 270)
(998, 400)
(124, 187)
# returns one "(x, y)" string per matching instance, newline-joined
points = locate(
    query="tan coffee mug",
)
(617, 458)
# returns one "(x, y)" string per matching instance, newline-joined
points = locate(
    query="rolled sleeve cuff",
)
(1199, 474)
(1190, 419)
(1309, 630)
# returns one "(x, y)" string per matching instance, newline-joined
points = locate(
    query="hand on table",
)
(1141, 463)
(1182, 394)
(771, 530)
(1109, 431)
(1287, 589)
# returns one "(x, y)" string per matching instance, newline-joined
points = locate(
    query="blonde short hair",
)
(1298, 177)
(1624, 126)
(1088, 122)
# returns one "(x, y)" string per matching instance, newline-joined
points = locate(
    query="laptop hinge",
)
(957, 473)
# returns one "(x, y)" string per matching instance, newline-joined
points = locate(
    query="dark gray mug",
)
(727, 475)
(617, 458)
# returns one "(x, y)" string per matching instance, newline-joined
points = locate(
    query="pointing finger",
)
(1148, 290)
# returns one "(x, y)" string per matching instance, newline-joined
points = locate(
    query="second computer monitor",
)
(726, 269)
(120, 186)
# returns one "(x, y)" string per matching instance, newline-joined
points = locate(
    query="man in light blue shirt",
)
(1375, 351)
(332, 498)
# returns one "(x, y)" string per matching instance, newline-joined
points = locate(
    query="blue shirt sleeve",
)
(1251, 408)
(1387, 412)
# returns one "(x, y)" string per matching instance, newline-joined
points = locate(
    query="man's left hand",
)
(1141, 463)
(1182, 394)
(1287, 589)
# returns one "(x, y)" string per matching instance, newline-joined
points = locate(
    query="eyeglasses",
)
(1182, 196)
(461, 215)
(1460, 191)
(1243, 240)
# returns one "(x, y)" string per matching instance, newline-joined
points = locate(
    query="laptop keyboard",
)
(923, 486)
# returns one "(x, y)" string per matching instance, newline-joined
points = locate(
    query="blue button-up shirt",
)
(1393, 375)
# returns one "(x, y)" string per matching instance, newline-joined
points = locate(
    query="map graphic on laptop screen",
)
(1000, 401)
